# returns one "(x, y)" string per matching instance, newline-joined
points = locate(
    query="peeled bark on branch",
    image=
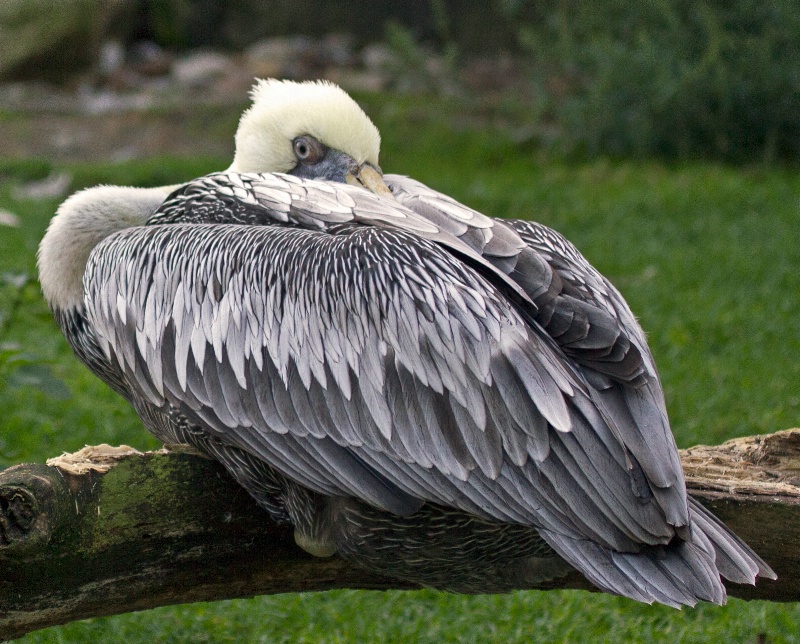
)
(112, 530)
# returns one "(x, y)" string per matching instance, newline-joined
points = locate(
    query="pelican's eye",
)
(308, 150)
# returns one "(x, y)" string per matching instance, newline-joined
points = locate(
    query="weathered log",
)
(112, 530)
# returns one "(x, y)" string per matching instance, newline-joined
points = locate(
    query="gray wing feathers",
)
(591, 323)
(369, 362)
(412, 380)
(579, 280)
(574, 304)
(624, 412)
(215, 354)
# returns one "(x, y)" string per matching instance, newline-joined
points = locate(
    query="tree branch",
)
(112, 530)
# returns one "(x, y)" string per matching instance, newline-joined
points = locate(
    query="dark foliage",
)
(675, 78)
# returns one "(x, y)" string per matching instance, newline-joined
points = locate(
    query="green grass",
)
(705, 254)
(428, 616)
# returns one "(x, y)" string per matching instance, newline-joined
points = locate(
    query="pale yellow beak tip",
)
(369, 178)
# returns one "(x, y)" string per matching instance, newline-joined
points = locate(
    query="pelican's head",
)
(312, 130)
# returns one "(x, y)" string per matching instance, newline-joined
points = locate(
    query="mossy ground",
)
(706, 254)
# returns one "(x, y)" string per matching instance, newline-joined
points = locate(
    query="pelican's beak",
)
(368, 177)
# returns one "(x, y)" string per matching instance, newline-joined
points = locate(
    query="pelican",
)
(454, 400)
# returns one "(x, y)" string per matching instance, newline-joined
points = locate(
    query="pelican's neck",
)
(82, 222)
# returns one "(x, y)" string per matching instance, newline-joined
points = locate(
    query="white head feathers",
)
(284, 110)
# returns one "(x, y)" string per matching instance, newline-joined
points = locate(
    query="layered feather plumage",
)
(408, 355)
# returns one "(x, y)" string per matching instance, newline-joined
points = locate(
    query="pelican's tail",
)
(679, 574)
(734, 559)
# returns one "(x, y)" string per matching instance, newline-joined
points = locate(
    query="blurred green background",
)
(661, 137)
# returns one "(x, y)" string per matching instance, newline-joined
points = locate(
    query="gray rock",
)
(283, 56)
(8, 218)
(359, 80)
(149, 59)
(336, 50)
(379, 56)
(201, 68)
(54, 186)
(112, 57)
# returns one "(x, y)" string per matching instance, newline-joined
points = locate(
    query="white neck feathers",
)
(82, 222)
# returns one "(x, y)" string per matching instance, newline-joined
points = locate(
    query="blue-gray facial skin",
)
(334, 166)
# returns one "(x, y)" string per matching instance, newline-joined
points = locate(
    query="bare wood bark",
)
(112, 530)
